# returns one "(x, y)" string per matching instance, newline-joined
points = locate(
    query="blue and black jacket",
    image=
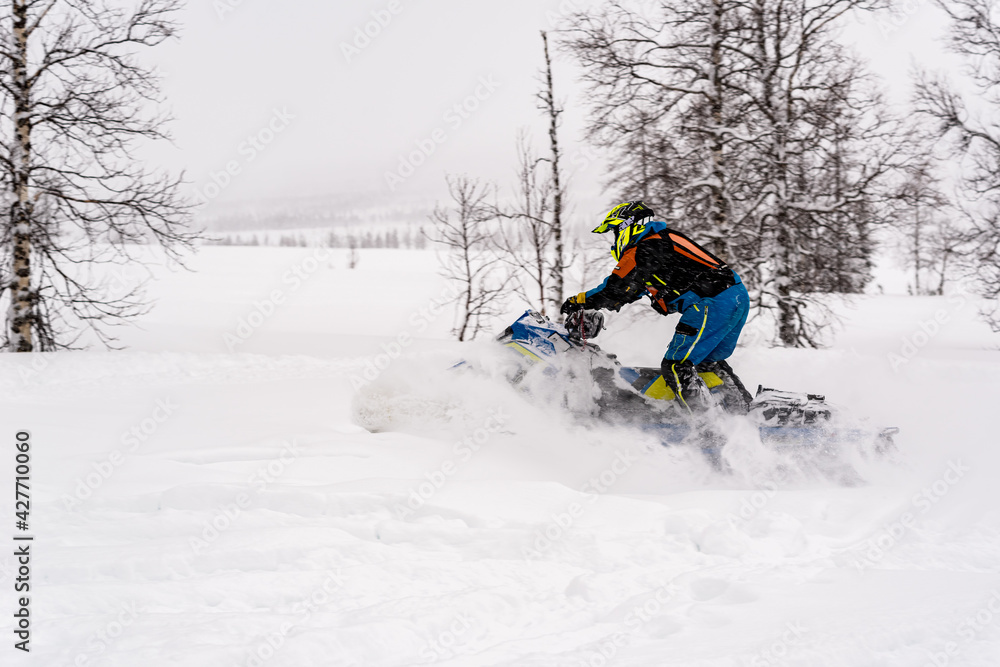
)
(664, 264)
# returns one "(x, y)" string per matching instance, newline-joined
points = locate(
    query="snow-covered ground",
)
(205, 498)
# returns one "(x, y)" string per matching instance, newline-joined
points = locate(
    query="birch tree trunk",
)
(550, 106)
(21, 313)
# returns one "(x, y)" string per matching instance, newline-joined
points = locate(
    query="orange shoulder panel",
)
(693, 251)
(682, 251)
(625, 264)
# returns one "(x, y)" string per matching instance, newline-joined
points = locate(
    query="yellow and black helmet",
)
(627, 212)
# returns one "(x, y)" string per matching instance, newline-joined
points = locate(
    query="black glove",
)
(573, 304)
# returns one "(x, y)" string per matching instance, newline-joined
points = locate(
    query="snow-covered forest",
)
(294, 370)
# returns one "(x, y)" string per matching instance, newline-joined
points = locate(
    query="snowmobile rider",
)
(677, 275)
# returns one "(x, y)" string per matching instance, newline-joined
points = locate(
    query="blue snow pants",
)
(710, 327)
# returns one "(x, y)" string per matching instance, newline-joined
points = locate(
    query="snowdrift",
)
(200, 505)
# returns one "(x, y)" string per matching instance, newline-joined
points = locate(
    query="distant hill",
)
(314, 212)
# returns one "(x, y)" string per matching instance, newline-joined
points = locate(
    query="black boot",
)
(682, 378)
(735, 397)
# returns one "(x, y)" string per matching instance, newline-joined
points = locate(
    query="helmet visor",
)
(614, 218)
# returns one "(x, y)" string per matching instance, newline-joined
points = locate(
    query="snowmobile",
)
(549, 358)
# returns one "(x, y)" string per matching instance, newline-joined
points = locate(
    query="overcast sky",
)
(338, 121)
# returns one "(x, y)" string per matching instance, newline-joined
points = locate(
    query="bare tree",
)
(973, 137)
(747, 122)
(826, 151)
(560, 262)
(531, 239)
(464, 231)
(353, 256)
(664, 98)
(525, 236)
(931, 238)
(75, 103)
